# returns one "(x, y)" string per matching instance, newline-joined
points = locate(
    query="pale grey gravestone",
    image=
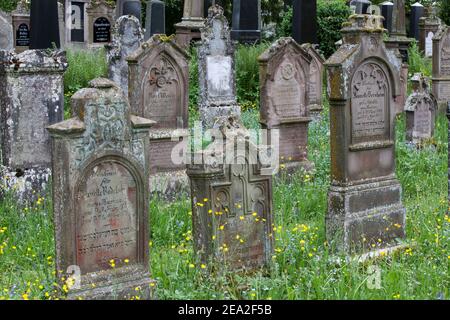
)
(127, 37)
(216, 64)
(32, 97)
(6, 32)
(100, 196)
(365, 211)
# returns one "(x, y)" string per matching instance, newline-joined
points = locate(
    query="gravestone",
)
(189, 28)
(127, 38)
(76, 23)
(315, 79)
(100, 18)
(304, 21)
(155, 22)
(417, 11)
(128, 7)
(420, 109)
(21, 26)
(428, 26)
(441, 66)
(6, 32)
(360, 6)
(31, 97)
(100, 195)
(448, 152)
(284, 77)
(217, 80)
(397, 36)
(158, 89)
(246, 21)
(231, 201)
(44, 25)
(365, 210)
(386, 12)
(210, 3)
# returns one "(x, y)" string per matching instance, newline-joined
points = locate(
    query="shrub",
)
(8, 5)
(445, 11)
(417, 63)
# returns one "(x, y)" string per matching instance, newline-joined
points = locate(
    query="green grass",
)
(301, 268)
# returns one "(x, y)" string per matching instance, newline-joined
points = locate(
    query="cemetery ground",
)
(303, 265)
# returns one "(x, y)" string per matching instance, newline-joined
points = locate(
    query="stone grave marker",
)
(189, 28)
(397, 36)
(417, 11)
(231, 201)
(127, 38)
(420, 110)
(158, 89)
(100, 195)
(44, 25)
(360, 6)
(21, 26)
(304, 21)
(155, 22)
(284, 74)
(31, 97)
(76, 22)
(441, 66)
(246, 21)
(217, 79)
(100, 19)
(428, 26)
(365, 210)
(386, 12)
(315, 79)
(6, 32)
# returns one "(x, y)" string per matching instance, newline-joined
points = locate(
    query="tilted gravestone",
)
(31, 97)
(420, 110)
(126, 39)
(100, 195)
(6, 32)
(231, 201)
(365, 210)
(284, 74)
(217, 79)
(100, 15)
(441, 66)
(158, 89)
(428, 26)
(315, 80)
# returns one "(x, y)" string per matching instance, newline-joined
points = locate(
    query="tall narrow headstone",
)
(420, 109)
(189, 27)
(397, 37)
(127, 38)
(232, 201)
(44, 33)
(315, 80)
(76, 22)
(155, 22)
(159, 90)
(217, 78)
(246, 22)
(100, 196)
(417, 12)
(386, 12)
(441, 66)
(6, 32)
(284, 72)
(100, 16)
(133, 8)
(304, 21)
(31, 98)
(365, 210)
(21, 27)
(428, 26)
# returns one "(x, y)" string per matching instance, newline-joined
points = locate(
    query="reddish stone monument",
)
(441, 66)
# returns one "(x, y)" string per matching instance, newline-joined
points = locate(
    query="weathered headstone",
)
(315, 80)
(284, 78)
(441, 66)
(76, 22)
(44, 29)
(397, 36)
(189, 27)
(231, 201)
(31, 97)
(428, 26)
(100, 19)
(360, 6)
(365, 210)
(158, 89)
(386, 12)
(217, 78)
(246, 21)
(417, 11)
(21, 26)
(61, 24)
(127, 38)
(155, 22)
(100, 195)
(304, 21)
(420, 109)
(6, 32)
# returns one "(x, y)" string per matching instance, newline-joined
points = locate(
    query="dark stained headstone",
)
(417, 11)
(23, 35)
(304, 21)
(386, 12)
(102, 30)
(132, 8)
(155, 22)
(44, 24)
(78, 18)
(246, 21)
(100, 16)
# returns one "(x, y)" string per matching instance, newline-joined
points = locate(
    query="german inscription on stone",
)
(422, 121)
(23, 36)
(102, 30)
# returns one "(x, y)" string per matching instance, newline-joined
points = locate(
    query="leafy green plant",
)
(417, 63)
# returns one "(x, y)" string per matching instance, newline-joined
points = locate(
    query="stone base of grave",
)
(128, 284)
(365, 218)
(170, 185)
(209, 116)
(188, 30)
(362, 258)
(441, 91)
(24, 186)
(315, 111)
